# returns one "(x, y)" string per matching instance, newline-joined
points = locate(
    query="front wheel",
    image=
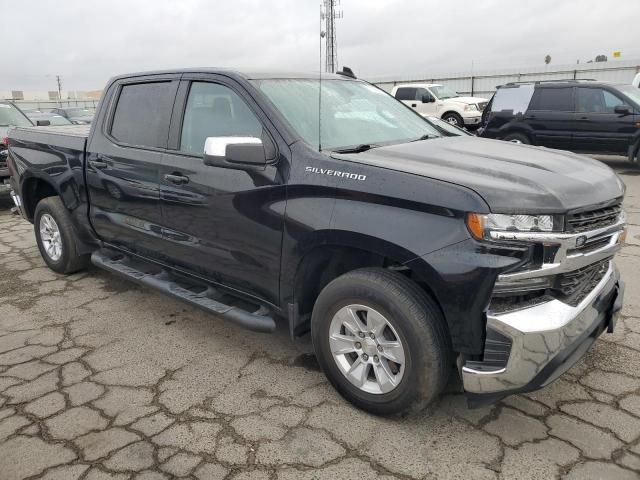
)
(517, 138)
(454, 119)
(381, 341)
(56, 237)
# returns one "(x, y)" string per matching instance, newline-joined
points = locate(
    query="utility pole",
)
(330, 15)
(59, 80)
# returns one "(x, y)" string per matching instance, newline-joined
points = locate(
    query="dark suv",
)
(578, 115)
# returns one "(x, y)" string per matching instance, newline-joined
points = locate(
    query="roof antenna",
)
(322, 34)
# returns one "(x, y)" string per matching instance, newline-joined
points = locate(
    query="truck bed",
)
(66, 136)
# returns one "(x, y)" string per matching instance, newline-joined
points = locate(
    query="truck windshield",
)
(10, 116)
(443, 92)
(353, 113)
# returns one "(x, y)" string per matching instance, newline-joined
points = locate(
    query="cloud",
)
(87, 41)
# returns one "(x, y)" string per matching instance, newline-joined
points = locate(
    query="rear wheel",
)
(454, 119)
(381, 341)
(56, 237)
(517, 138)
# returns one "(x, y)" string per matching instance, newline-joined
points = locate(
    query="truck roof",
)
(248, 75)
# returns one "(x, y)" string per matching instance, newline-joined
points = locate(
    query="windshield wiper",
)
(426, 136)
(356, 149)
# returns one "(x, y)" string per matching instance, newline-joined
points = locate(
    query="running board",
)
(204, 297)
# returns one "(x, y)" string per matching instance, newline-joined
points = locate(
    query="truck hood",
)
(511, 178)
(465, 100)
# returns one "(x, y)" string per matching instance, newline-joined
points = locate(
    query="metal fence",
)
(483, 84)
(49, 104)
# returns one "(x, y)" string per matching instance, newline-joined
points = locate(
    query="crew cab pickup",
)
(404, 253)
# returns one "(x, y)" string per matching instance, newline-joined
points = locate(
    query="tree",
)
(601, 58)
(547, 59)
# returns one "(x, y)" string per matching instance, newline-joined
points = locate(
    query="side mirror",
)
(428, 98)
(43, 123)
(234, 152)
(622, 109)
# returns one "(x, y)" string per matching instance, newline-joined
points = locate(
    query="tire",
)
(51, 214)
(454, 119)
(634, 157)
(517, 138)
(413, 319)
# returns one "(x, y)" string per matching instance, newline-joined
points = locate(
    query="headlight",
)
(470, 108)
(480, 225)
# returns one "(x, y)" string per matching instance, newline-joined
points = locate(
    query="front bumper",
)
(472, 118)
(546, 340)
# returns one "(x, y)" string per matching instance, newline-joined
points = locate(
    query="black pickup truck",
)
(404, 253)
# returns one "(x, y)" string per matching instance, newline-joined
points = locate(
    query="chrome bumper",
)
(16, 199)
(547, 339)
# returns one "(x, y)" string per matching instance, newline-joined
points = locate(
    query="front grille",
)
(482, 105)
(593, 219)
(576, 285)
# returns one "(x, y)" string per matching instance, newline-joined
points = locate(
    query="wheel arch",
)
(35, 189)
(323, 263)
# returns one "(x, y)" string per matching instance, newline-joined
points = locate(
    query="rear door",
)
(407, 95)
(598, 127)
(123, 162)
(551, 116)
(221, 223)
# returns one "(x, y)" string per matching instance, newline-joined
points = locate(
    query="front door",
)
(221, 223)
(598, 127)
(428, 109)
(123, 163)
(551, 116)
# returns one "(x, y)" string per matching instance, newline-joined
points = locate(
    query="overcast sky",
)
(87, 41)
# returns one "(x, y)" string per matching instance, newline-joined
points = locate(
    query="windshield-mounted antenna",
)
(322, 34)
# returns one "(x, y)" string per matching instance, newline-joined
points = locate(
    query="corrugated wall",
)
(483, 84)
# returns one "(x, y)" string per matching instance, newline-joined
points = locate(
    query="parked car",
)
(403, 252)
(10, 116)
(77, 115)
(433, 99)
(636, 81)
(46, 118)
(578, 115)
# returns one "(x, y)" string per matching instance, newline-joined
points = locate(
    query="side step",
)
(205, 297)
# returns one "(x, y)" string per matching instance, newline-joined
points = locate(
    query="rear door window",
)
(143, 113)
(406, 93)
(553, 99)
(512, 100)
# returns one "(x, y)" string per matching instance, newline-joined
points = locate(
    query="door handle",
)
(98, 164)
(583, 118)
(176, 178)
(414, 105)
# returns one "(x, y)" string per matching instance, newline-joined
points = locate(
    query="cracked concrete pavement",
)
(102, 379)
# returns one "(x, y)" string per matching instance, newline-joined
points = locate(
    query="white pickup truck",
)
(436, 100)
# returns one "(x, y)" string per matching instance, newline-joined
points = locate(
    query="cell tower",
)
(329, 13)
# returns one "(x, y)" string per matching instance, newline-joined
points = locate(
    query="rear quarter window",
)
(142, 114)
(512, 100)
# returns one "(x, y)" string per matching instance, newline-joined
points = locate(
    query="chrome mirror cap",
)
(217, 146)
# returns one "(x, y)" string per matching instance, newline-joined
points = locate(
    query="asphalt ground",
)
(102, 379)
